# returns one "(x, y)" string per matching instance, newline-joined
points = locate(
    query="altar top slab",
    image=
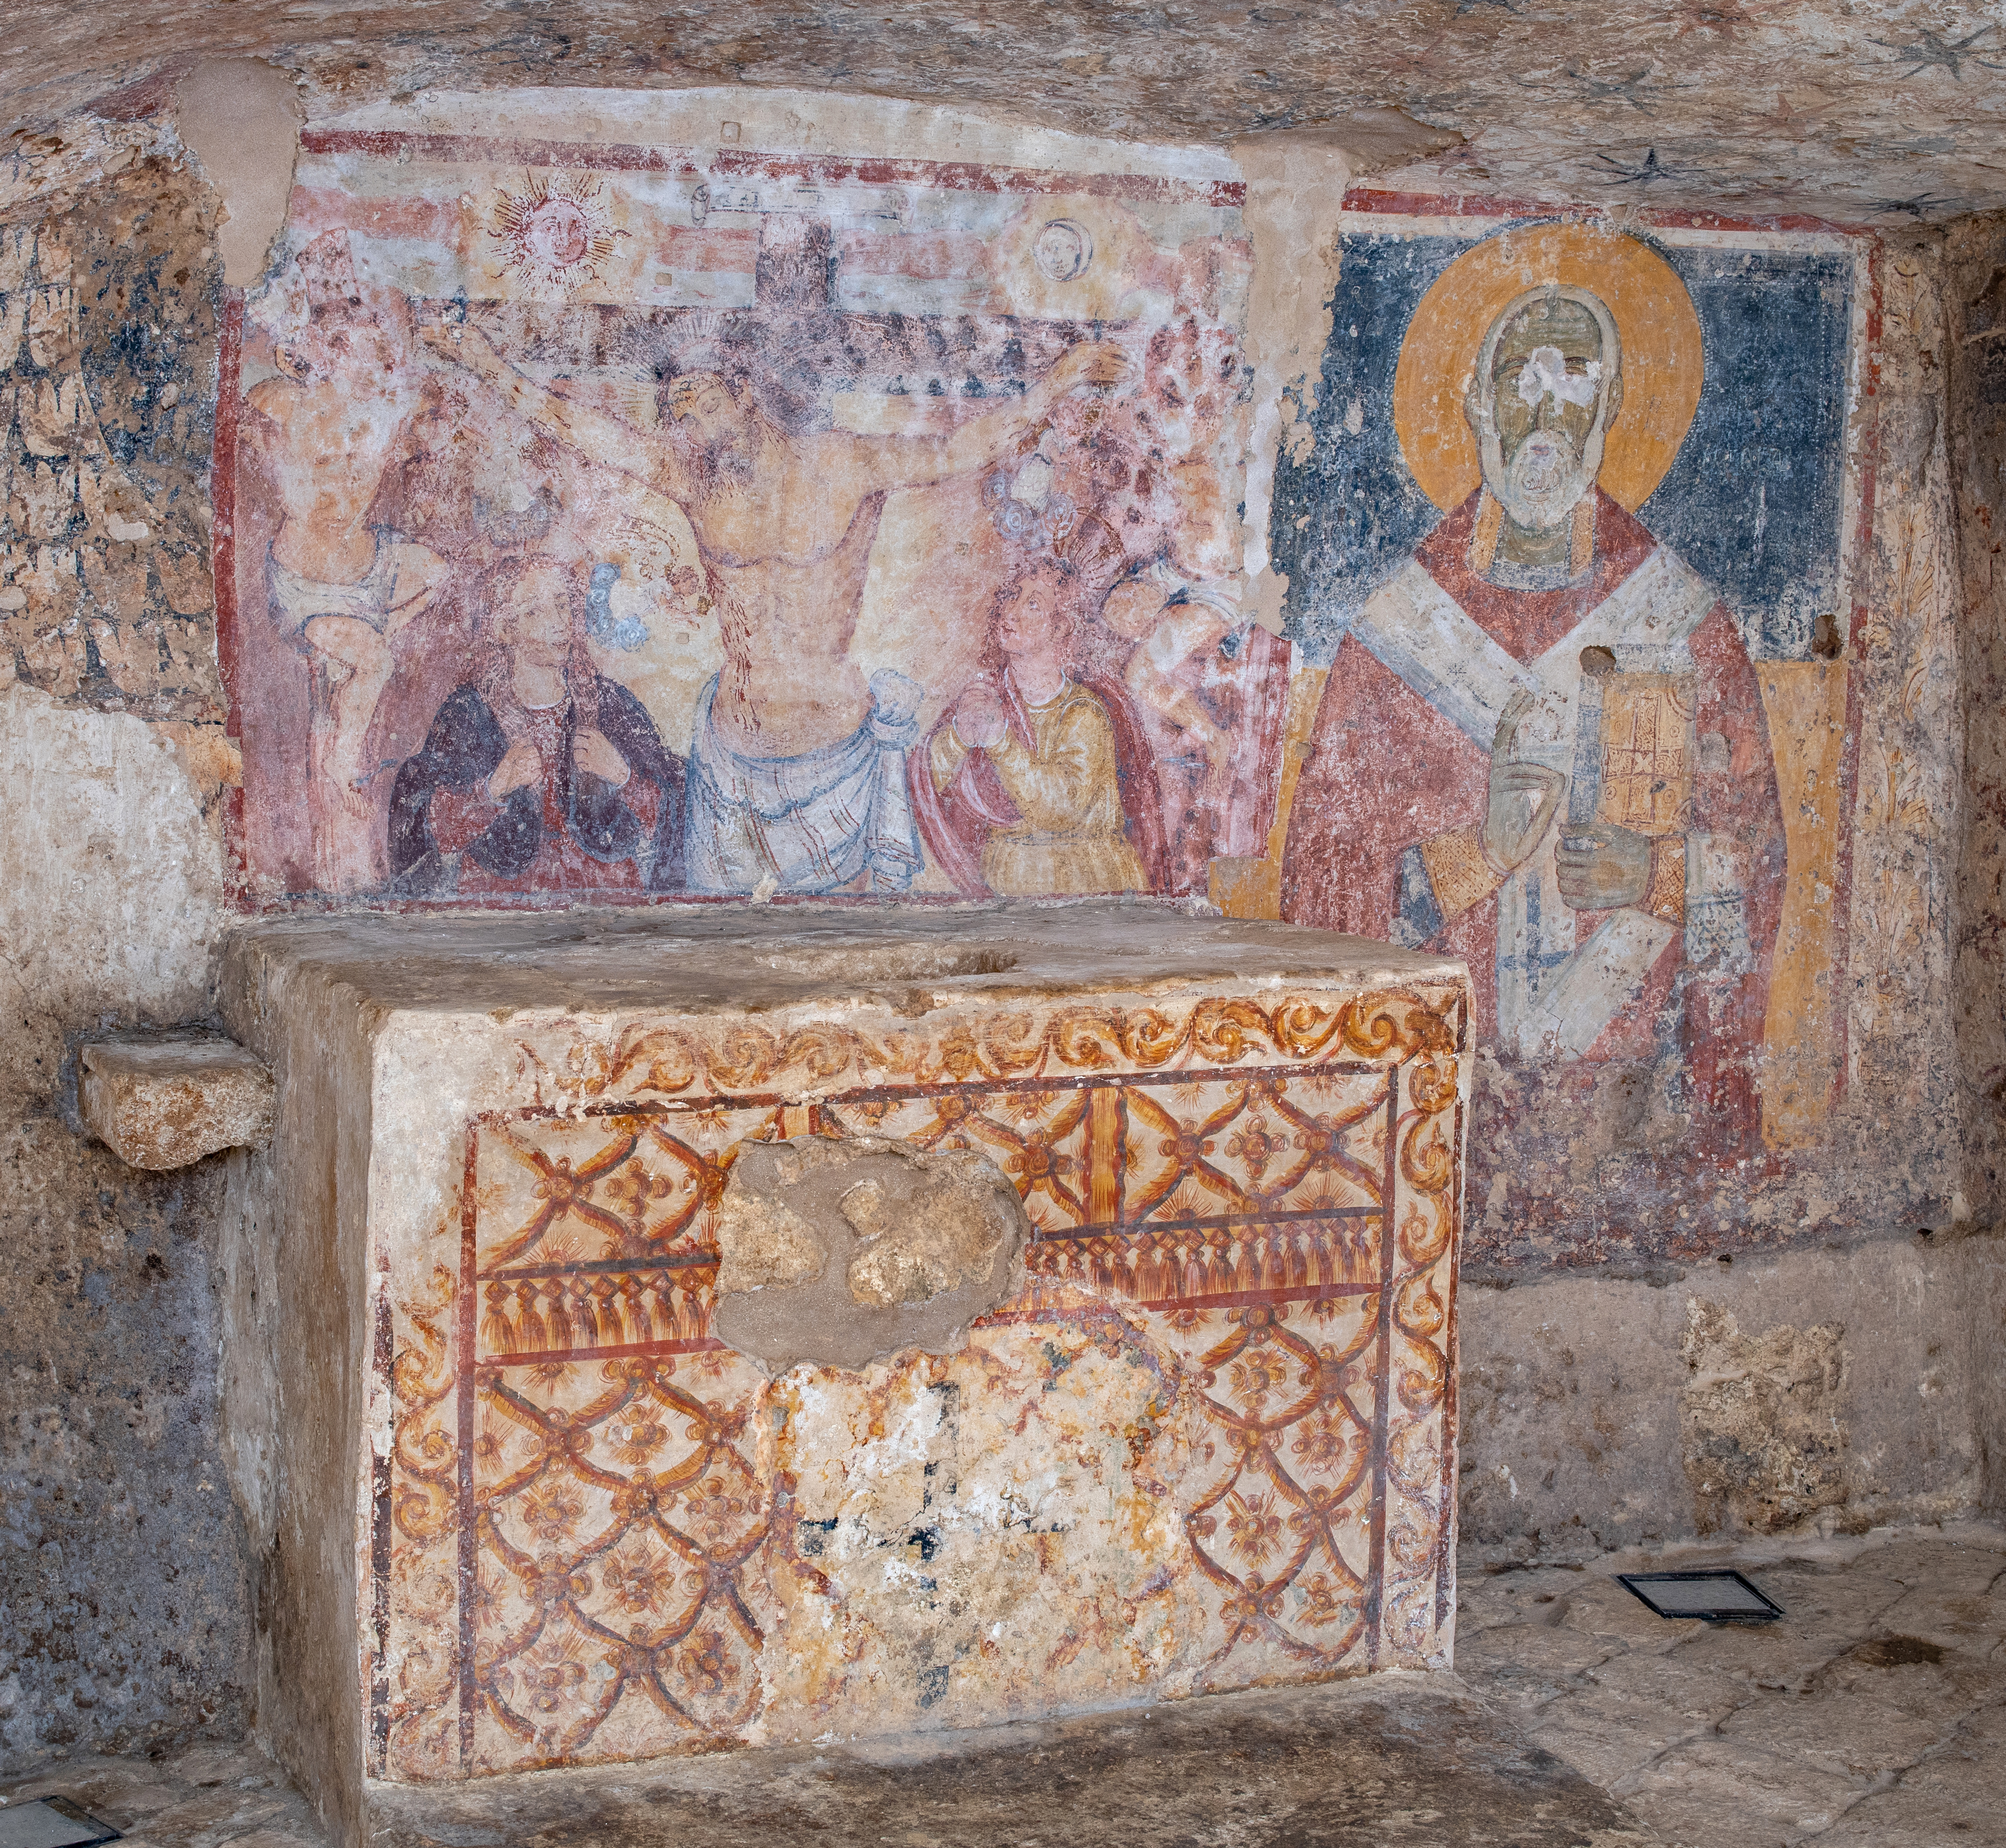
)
(754, 959)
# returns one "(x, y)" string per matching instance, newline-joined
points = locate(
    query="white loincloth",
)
(297, 600)
(810, 823)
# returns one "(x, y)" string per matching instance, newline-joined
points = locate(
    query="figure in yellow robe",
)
(1072, 834)
(1023, 787)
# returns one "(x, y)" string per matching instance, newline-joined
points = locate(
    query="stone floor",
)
(1873, 1713)
(1399, 1761)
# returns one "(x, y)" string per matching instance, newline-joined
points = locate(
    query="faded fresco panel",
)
(1571, 568)
(630, 523)
(108, 343)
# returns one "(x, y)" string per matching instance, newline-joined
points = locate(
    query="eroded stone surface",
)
(1884, 108)
(122, 1572)
(163, 1103)
(841, 1252)
(1763, 1445)
(1352, 1765)
(1412, 1764)
(1606, 1412)
(218, 1796)
(1700, 1757)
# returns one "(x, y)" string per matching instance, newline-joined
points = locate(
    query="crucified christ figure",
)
(796, 774)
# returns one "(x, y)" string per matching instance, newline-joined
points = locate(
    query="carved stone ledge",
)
(167, 1103)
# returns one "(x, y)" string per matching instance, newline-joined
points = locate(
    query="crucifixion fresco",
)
(808, 534)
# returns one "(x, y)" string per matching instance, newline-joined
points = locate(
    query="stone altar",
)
(520, 1505)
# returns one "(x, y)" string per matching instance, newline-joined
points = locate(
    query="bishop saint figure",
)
(1541, 747)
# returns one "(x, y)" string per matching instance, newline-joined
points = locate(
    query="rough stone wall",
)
(124, 1616)
(1812, 1390)
(1885, 109)
(1975, 300)
(1975, 304)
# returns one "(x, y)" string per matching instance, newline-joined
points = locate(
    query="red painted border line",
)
(463, 1352)
(1427, 205)
(631, 1350)
(696, 1102)
(1280, 1218)
(1382, 1378)
(1452, 1356)
(966, 176)
(1072, 1313)
(396, 144)
(223, 579)
(381, 1468)
(950, 176)
(1223, 1299)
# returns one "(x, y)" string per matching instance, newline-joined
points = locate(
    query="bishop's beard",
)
(1544, 480)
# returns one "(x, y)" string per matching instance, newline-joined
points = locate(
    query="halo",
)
(1664, 364)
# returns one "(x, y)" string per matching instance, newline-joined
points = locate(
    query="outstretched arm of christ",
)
(609, 441)
(895, 462)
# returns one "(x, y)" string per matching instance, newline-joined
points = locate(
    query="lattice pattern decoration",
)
(577, 1534)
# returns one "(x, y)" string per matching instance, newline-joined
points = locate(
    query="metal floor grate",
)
(1721, 1596)
(51, 1822)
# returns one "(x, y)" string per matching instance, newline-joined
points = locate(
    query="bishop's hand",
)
(1524, 798)
(1602, 868)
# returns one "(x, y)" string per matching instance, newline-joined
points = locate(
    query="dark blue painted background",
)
(1751, 501)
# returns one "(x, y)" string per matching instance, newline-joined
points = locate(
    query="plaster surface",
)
(844, 1253)
(240, 118)
(1206, 1444)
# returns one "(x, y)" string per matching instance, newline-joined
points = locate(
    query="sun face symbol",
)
(557, 233)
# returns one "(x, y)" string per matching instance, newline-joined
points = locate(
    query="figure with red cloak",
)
(1039, 782)
(1541, 747)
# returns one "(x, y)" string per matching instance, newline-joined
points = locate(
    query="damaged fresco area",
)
(107, 342)
(664, 522)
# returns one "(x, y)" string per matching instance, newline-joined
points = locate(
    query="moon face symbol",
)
(1063, 250)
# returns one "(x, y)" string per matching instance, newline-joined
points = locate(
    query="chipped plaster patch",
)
(842, 1252)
